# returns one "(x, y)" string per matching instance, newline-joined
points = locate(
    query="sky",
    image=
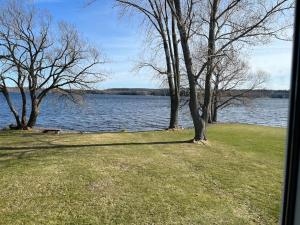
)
(121, 39)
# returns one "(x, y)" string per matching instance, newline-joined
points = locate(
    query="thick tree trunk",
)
(215, 115)
(11, 107)
(33, 114)
(198, 122)
(174, 112)
(35, 102)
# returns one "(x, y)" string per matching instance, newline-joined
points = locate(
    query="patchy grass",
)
(142, 178)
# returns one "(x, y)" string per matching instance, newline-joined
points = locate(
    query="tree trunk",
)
(173, 55)
(34, 113)
(24, 110)
(211, 115)
(214, 105)
(11, 107)
(176, 70)
(198, 122)
(210, 54)
(174, 108)
(215, 115)
(214, 109)
(174, 112)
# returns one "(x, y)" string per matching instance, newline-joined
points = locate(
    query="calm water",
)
(137, 113)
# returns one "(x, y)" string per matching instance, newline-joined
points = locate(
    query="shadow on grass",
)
(57, 146)
(21, 152)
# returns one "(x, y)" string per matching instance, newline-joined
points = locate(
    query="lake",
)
(140, 113)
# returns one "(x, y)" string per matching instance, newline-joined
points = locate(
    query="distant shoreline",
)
(262, 93)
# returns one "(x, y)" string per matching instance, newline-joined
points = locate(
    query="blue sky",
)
(121, 39)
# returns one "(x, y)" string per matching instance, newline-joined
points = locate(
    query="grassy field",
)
(142, 178)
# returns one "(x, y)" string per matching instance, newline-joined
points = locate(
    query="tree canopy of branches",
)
(39, 57)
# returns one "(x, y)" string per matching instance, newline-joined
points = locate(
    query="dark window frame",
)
(291, 195)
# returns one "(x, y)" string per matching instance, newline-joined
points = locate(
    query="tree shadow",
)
(58, 146)
(13, 152)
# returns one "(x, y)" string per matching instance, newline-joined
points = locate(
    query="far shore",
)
(258, 93)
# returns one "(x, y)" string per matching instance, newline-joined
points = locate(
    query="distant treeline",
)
(131, 91)
(261, 93)
(165, 92)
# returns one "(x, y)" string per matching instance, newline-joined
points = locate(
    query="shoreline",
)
(259, 93)
(69, 131)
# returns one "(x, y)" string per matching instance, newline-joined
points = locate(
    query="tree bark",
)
(215, 100)
(210, 116)
(33, 114)
(174, 106)
(215, 115)
(11, 107)
(174, 62)
(176, 70)
(35, 103)
(174, 113)
(24, 110)
(210, 54)
(214, 109)
(198, 122)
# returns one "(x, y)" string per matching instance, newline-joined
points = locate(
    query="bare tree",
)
(232, 81)
(222, 26)
(237, 24)
(158, 16)
(183, 24)
(38, 57)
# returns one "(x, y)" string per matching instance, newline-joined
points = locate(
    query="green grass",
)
(142, 178)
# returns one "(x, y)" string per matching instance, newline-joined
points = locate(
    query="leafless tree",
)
(39, 57)
(157, 14)
(183, 24)
(222, 26)
(237, 24)
(232, 81)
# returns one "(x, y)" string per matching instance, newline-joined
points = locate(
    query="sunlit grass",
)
(142, 178)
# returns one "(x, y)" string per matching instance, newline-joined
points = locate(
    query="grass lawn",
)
(142, 178)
